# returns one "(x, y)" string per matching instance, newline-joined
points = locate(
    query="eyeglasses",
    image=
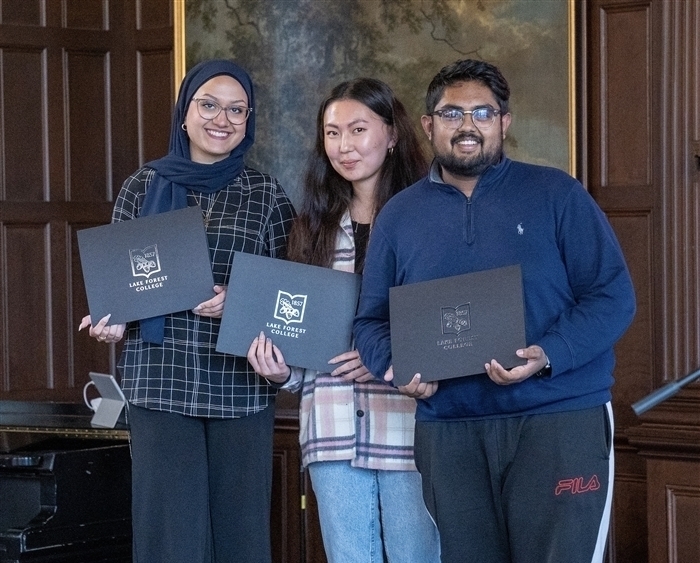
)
(482, 118)
(209, 109)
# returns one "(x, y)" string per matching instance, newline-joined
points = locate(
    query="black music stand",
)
(663, 393)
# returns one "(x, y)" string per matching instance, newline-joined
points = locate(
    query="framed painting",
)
(297, 51)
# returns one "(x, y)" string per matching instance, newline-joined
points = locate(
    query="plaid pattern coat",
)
(371, 424)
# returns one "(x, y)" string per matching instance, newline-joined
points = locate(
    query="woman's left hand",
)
(102, 331)
(213, 308)
(267, 360)
(352, 368)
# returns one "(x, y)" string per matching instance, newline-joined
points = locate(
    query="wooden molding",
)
(670, 430)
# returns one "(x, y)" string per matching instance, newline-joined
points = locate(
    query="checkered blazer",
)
(186, 374)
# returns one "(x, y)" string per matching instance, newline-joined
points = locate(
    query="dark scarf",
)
(176, 172)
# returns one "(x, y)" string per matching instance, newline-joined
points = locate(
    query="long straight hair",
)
(327, 195)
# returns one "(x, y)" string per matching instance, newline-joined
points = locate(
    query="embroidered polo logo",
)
(576, 486)
(456, 319)
(520, 229)
(145, 261)
(290, 308)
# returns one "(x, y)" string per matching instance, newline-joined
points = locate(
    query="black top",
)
(360, 232)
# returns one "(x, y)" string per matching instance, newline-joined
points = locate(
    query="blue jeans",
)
(367, 514)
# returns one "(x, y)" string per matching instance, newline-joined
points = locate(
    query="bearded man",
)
(517, 464)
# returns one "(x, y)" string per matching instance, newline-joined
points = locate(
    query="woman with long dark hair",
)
(356, 432)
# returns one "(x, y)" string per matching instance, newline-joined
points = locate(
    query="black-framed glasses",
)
(209, 109)
(482, 118)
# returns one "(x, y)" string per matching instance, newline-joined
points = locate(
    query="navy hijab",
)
(176, 172)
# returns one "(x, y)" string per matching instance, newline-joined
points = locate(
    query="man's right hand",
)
(416, 388)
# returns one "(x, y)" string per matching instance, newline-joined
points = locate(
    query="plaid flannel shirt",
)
(371, 424)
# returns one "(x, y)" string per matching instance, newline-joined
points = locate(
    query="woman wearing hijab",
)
(201, 421)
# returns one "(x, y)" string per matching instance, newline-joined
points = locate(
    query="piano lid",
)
(65, 419)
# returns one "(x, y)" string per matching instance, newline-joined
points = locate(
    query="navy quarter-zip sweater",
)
(579, 298)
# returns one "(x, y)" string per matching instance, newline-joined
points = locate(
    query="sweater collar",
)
(492, 175)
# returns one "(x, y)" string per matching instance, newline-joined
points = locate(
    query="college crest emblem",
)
(145, 261)
(290, 308)
(456, 319)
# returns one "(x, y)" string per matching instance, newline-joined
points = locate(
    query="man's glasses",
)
(209, 109)
(482, 118)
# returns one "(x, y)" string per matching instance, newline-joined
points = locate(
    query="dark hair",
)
(326, 194)
(464, 71)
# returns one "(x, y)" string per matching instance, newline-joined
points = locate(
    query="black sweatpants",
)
(201, 487)
(530, 489)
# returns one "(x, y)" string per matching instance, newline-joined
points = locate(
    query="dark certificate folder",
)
(451, 327)
(306, 310)
(146, 267)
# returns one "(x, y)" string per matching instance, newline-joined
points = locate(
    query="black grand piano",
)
(65, 487)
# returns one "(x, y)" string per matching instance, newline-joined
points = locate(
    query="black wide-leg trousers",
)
(201, 487)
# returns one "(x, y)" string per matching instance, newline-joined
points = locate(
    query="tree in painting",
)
(297, 50)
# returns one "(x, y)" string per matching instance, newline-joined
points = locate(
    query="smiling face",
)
(466, 152)
(212, 140)
(356, 141)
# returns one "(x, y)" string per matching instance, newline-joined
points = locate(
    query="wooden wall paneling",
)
(89, 126)
(622, 119)
(156, 100)
(89, 61)
(58, 331)
(84, 353)
(286, 519)
(300, 539)
(673, 483)
(4, 341)
(25, 251)
(155, 16)
(628, 118)
(25, 339)
(679, 291)
(69, 135)
(123, 17)
(21, 12)
(634, 351)
(633, 377)
(155, 77)
(683, 507)
(92, 93)
(87, 14)
(313, 541)
(645, 73)
(621, 175)
(623, 178)
(628, 537)
(24, 124)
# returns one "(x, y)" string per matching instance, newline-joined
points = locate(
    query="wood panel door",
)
(643, 123)
(87, 95)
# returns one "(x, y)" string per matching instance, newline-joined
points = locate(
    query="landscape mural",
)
(297, 50)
